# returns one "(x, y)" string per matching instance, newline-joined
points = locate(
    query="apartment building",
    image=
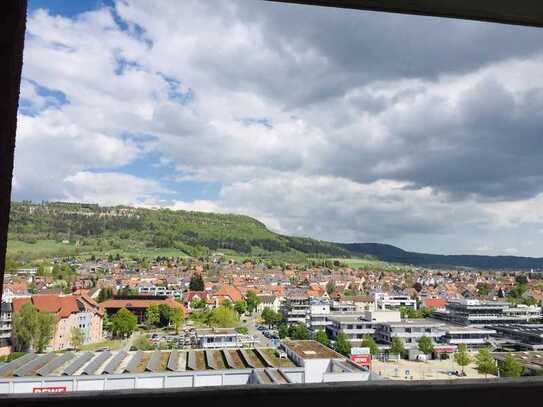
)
(319, 311)
(5, 328)
(296, 309)
(72, 312)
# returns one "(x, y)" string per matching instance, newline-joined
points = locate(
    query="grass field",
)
(48, 248)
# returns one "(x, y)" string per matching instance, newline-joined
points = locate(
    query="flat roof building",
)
(527, 336)
(321, 364)
(482, 313)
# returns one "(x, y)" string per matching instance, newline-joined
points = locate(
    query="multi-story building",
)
(410, 331)
(527, 336)
(319, 311)
(5, 328)
(357, 325)
(474, 338)
(354, 326)
(384, 301)
(482, 313)
(296, 309)
(71, 312)
(268, 301)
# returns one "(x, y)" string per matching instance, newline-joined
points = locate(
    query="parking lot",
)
(430, 370)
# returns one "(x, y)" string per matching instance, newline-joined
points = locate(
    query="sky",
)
(340, 125)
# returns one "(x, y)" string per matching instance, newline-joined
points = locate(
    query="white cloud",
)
(301, 131)
(109, 188)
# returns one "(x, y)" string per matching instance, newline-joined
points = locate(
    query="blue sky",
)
(290, 114)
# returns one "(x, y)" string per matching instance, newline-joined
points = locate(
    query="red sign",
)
(59, 389)
(361, 360)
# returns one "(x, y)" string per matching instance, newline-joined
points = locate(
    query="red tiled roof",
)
(435, 302)
(230, 291)
(62, 306)
(189, 295)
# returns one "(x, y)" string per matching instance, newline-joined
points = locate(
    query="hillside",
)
(89, 228)
(124, 228)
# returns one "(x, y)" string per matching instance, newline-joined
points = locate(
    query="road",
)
(251, 325)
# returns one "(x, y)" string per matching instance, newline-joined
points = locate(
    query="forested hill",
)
(393, 254)
(121, 227)
(97, 228)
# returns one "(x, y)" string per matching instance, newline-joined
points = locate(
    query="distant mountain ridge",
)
(393, 254)
(121, 228)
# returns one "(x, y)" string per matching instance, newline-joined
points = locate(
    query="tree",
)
(223, 317)
(176, 318)
(105, 294)
(342, 345)
(461, 357)
(330, 287)
(123, 323)
(198, 303)
(196, 282)
(25, 323)
(485, 362)
(32, 328)
(77, 337)
(241, 307)
(425, 345)
(242, 330)
(282, 331)
(369, 342)
(321, 337)
(270, 317)
(397, 347)
(298, 332)
(45, 331)
(510, 367)
(228, 303)
(252, 301)
(152, 315)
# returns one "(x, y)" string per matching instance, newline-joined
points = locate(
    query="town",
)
(187, 321)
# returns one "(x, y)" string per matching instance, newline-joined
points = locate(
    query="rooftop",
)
(311, 350)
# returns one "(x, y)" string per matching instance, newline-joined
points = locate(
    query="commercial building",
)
(474, 338)
(214, 338)
(384, 301)
(482, 313)
(527, 336)
(304, 362)
(321, 364)
(410, 331)
(355, 327)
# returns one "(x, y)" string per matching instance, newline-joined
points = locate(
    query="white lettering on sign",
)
(58, 389)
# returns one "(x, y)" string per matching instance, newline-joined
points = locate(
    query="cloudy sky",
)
(341, 125)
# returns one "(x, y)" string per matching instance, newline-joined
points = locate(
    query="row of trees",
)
(486, 364)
